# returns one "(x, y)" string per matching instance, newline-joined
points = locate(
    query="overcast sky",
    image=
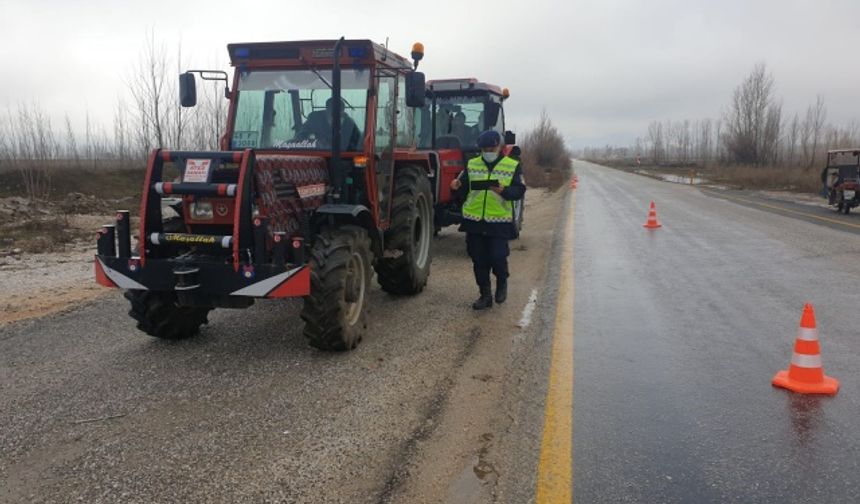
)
(602, 69)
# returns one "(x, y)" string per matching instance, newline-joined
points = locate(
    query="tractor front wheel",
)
(335, 312)
(405, 266)
(158, 315)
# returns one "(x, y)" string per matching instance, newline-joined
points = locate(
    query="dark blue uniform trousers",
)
(488, 253)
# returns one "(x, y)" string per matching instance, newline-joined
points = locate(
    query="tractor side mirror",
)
(415, 89)
(510, 138)
(187, 90)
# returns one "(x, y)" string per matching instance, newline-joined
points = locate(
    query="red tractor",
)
(319, 182)
(457, 112)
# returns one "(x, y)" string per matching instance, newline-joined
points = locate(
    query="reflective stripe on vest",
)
(486, 205)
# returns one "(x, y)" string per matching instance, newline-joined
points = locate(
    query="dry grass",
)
(773, 178)
(794, 179)
(104, 182)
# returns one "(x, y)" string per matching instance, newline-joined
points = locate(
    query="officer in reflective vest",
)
(491, 183)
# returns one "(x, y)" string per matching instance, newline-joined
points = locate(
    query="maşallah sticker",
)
(310, 191)
(197, 170)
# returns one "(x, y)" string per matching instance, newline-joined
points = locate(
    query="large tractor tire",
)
(405, 266)
(158, 315)
(335, 312)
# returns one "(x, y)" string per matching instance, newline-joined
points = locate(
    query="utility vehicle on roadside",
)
(318, 182)
(458, 110)
(840, 179)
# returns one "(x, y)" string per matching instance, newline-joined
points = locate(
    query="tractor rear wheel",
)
(405, 266)
(158, 315)
(335, 312)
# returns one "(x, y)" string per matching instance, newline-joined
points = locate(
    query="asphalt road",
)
(820, 213)
(678, 332)
(425, 410)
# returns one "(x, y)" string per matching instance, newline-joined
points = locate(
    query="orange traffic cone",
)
(805, 374)
(652, 218)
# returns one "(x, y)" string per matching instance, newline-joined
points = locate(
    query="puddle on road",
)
(468, 488)
(679, 179)
(673, 177)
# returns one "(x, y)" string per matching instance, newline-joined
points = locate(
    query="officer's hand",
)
(456, 184)
(497, 189)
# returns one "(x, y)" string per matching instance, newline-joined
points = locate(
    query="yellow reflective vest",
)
(485, 204)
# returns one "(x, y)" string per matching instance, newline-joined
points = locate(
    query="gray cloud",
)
(602, 69)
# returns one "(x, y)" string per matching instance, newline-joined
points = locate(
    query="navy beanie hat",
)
(489, 138)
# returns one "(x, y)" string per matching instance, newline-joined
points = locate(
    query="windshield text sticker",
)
(245, 139)
(299, 144)
(197, 170)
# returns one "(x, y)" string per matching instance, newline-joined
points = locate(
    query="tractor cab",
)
(319, 181)
(456, 112)
(840, 179)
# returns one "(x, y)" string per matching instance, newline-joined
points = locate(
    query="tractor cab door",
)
(386, 121)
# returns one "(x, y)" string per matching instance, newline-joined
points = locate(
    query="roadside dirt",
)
(35, 285)
(457, 462)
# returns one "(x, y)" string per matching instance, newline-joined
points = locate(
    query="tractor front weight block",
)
(203, 283)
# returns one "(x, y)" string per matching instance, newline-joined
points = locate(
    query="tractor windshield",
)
(287, 109)
(460, 119)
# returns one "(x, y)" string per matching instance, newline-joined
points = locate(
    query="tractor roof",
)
(459, 85)
(843, 157)
(315, 52)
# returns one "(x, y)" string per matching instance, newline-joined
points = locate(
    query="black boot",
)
(501, 290)
(486, 299)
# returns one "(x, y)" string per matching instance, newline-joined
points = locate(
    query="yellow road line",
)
(783, 209)
(555, 467)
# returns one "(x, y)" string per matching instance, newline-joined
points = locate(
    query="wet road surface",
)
(678, 332)
(820, 213)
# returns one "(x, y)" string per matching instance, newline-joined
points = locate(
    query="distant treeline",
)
(753, 131)
(148, 115)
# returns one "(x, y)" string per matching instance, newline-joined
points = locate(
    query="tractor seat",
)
(448, 142)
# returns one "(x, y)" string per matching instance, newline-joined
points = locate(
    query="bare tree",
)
(33, 145)
(148, 87)
(71, 148)
(705, 142)
(746, 118)
(791, 140)
(815, 116)
(655, 139)
(769, 142)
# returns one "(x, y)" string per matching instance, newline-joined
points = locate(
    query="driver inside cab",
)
(318, 126)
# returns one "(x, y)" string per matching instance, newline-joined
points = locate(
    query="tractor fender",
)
(332, 214)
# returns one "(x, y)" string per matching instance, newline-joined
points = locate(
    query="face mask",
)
(489, 156)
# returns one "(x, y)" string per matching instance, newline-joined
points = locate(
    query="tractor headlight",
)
(202, 210)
